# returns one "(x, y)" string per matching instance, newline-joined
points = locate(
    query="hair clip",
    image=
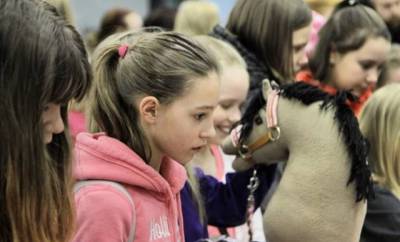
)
(122, 50)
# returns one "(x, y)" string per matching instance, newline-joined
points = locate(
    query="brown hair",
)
(44, 61)
(266, 28)
(159, 64)
(346, 30)
(112, 22)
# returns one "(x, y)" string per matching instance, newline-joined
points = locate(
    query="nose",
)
(209, 131)
(372, 76)
(57, 123)
(303, 60)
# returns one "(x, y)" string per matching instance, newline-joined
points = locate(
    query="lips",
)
(198, 148)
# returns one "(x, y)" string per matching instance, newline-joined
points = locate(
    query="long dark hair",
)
(266, 28)
(42, 60)
(348, 28)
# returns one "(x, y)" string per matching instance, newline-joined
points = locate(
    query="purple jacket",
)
(225, 203)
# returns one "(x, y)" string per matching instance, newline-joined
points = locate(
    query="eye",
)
(258, 120)
(366, 65)
(200, 116)
(226, 105)
(46, 108)
(298, 48)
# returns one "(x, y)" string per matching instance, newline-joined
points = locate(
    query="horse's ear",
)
(266, 88)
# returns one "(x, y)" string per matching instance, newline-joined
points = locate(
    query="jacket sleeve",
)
(225, 203)
(103, 215)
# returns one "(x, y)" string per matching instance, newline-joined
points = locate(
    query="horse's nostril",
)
(244, 149)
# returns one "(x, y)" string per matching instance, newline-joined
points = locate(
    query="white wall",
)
(88, 13)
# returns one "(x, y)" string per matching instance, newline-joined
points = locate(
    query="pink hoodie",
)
(104, 214)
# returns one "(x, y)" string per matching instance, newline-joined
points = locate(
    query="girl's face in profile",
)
(357, 70)
(300, 40)
(184, 127)
(234, 88)
(52, 121)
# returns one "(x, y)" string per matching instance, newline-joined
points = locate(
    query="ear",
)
(266, 88)
(148, 108)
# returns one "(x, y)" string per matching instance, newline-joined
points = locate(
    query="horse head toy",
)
(322, 194)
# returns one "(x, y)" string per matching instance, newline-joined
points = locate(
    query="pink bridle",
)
(246, 151)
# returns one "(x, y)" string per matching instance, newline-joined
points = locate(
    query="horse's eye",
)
(258, 120)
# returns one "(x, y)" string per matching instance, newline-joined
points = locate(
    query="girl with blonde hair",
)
(210, 197)
(379, 122)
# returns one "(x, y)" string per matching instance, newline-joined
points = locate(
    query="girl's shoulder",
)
(107, 197)
(104, 212)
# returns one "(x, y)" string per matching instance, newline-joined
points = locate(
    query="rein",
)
(246, 151)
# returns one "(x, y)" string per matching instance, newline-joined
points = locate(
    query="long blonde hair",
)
(225, 54)
(379, 123)
(159, 64)
(196, 17)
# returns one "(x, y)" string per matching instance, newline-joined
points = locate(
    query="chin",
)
(184, 160)
(48, 139)
(218, 139)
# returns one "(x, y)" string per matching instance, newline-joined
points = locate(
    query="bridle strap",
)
(272, 109)
(273, 133)
(272, 121)
(260, 142)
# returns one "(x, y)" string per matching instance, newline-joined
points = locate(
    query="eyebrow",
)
(206, 107)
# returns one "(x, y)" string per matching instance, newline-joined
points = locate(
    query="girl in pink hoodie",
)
(151, 107)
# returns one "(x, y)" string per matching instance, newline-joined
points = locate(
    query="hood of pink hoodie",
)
(99, 157)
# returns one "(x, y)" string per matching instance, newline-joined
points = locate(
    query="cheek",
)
(219, 116)
(394, 76)
(348, 76)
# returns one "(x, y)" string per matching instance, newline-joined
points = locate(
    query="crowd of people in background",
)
(116, 135)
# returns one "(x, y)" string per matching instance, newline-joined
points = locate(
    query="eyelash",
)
(200, 116)
(366, 66)
(226, 106)
(46, 108)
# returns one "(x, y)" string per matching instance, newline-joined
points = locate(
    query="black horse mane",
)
(357, 145)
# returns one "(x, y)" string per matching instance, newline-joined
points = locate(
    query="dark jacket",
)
(225, 203)
(382, 223)
(258, 71)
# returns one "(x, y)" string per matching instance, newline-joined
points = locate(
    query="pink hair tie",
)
(122, 50)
